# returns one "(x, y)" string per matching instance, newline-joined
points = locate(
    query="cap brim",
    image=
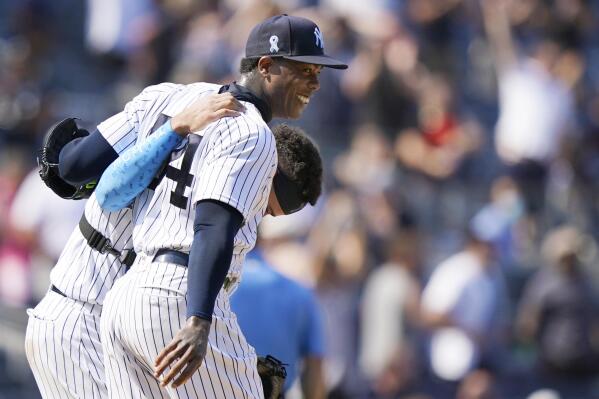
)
(323, 60)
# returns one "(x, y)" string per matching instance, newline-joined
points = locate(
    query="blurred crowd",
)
(454, 253)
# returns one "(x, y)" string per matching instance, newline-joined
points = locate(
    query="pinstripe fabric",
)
(155, 311)
(82, 272)
(95, 273)
(62, 340)
(234, 163)
(62, 344)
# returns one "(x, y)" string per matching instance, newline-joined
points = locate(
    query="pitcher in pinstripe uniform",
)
(168, 320)
(63, 340)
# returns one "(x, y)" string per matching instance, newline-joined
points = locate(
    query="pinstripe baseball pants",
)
(143, 312)
(62, 344)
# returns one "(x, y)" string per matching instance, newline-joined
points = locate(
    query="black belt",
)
(182, 259)
(59, 292)
(97, 241)
(171, 256)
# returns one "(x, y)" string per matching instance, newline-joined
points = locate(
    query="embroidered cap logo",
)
(319, 38)
(274, 44)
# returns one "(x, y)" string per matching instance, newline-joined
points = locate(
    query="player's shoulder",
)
(170, 98)
(250, 122)
(187, 94)
(253, 119)
(242, 128)
(201, 88)
(170, 89)
(159, 89)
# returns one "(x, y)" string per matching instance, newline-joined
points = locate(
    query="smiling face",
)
(289, 86)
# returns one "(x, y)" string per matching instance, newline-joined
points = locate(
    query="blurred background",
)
(454, 252)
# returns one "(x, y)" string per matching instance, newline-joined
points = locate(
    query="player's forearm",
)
(130, 174)
(215, 227)
(84, 159)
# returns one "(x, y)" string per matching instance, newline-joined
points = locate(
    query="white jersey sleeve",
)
(238, 165)
(121, 130)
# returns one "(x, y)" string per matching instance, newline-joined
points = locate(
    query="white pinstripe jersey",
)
(234, 163)
(81, 272)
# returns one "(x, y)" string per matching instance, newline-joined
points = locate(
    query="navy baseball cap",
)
(293, 38)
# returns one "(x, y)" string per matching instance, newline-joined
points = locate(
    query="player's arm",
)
(55, 139)
(130, 174)
(215, 227)
(84, 159)
(247, 157)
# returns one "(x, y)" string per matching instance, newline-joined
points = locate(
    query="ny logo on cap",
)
(319, 38)
(274, 43)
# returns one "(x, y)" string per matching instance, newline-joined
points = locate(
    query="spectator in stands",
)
(536, 103)
(389, 313)
(338, 240)
(559, 312)
(459, 307)
(441, 140)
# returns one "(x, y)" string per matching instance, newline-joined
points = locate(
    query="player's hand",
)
(184, 354)
(205, 110)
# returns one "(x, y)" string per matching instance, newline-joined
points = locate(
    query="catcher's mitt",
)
(272, 373)
(56, 138)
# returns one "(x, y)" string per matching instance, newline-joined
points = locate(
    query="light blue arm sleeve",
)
(133, 171)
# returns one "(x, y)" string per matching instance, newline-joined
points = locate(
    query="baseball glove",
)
(272, 373)
(55, 139)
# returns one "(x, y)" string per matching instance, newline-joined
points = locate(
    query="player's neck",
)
(254, 85)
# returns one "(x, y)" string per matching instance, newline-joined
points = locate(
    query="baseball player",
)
(62, 340)
(202, 218)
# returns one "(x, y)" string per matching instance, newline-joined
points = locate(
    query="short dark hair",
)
(247, 65)
(300, 160)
